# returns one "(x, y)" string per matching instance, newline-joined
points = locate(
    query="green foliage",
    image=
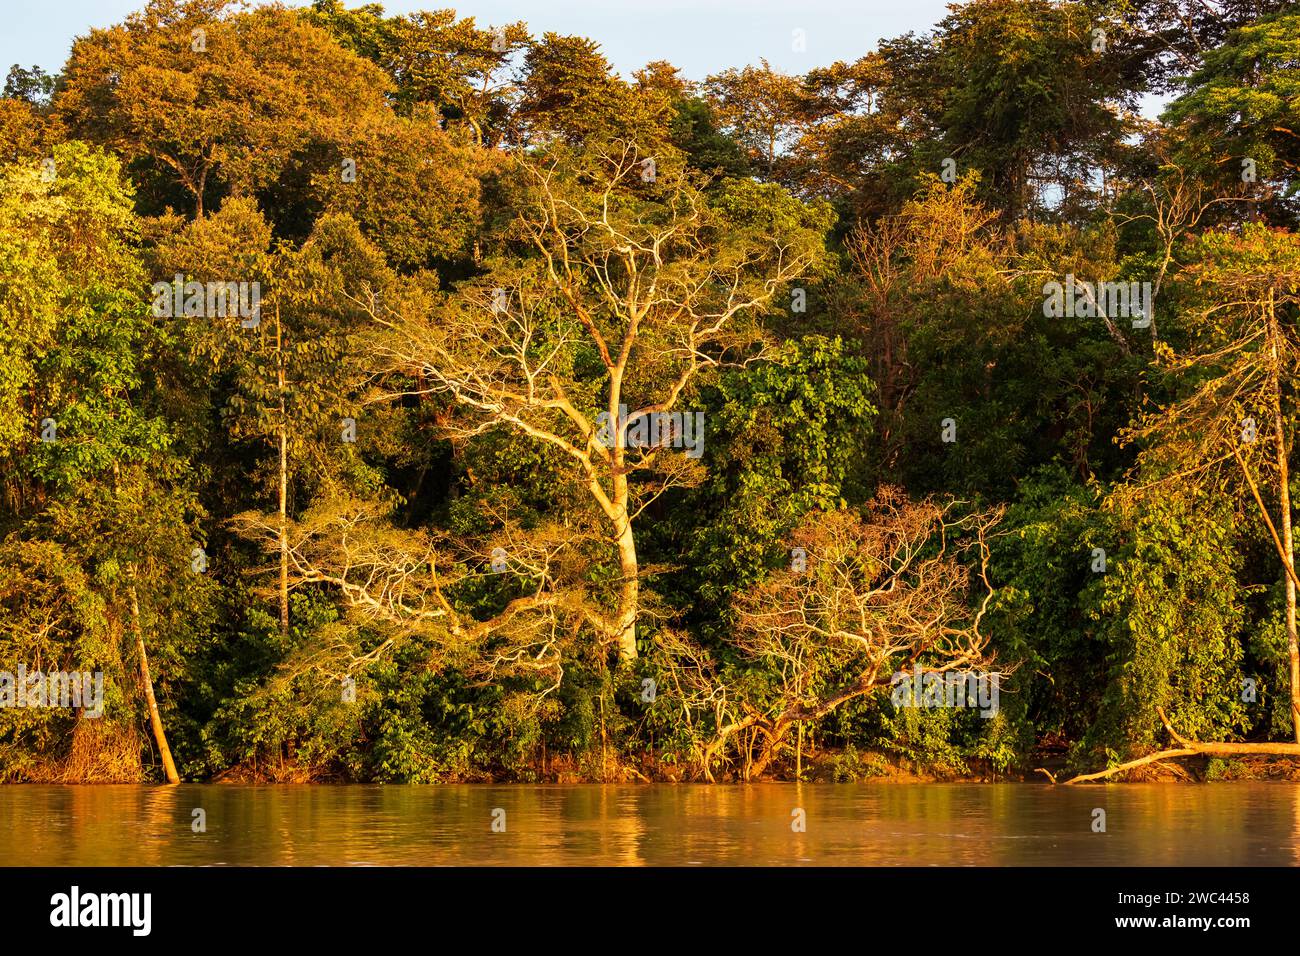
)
(786, 438)
(1173, 611)
(788, 255)
(1051, 568)
(1245, 98)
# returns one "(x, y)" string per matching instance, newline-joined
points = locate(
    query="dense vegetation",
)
(589, 428)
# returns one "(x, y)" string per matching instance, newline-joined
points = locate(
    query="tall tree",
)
(631, 290)
(90, 461)
(1232, 424)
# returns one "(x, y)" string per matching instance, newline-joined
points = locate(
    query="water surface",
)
(660, 824)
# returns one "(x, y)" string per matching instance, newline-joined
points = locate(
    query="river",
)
(660, 824)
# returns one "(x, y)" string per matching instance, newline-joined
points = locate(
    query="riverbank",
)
(840, 766)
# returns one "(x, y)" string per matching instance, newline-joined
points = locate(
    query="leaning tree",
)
(871, 593)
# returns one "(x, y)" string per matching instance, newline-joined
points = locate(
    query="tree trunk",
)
(1288, 545)
(629, 594)
(621, 514)
(155, 719)
(1189, 748)
(284, 482)
(199, 190)
(773, 738)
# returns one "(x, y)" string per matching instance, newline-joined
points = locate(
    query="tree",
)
(1023, 92)
(451, 66)
(415, 191)
(198, 98)
(1231, 425)
(89, 467)
(54, 620)
(1242, 103)
(851, 144)
(35, 86)
(879, 592)
(1177, 201)
(1171, 38)
(292, 381)
(631, 291)
(759, 107)
(568, 91)
(788, 436)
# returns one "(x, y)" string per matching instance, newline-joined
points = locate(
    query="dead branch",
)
(1191, 748)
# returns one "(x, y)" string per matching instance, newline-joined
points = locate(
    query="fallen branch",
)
(1191, 748)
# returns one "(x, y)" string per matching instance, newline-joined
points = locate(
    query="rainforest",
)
(405, 398)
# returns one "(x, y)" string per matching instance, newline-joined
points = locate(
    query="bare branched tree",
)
(880, 592)
(402, 584)
(627, 286)
(1179, 201)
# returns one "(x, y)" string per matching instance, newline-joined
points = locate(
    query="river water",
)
(659, 824)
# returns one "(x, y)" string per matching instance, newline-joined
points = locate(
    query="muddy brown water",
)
(667, 825)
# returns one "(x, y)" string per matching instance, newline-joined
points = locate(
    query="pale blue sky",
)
(700, 36)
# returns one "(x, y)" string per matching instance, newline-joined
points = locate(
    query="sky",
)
(699, 36)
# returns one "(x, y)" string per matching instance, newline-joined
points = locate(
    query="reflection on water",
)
(667, 825)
